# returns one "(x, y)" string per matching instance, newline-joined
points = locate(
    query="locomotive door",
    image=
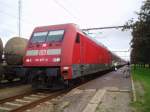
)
(82, 55)
(81, 51)
(79, 41)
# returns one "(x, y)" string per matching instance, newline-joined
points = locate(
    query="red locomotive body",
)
(58, 53)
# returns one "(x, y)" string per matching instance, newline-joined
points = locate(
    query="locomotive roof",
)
(58, 26)
(68, 25)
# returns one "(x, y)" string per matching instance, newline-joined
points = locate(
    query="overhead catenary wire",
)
(7, 6)
(72, 6)
(121, 51)
(11, 26)
(13, 17)
(10, 31)
(69, 12)
(100, 28)
(76, 10)
(8, 14)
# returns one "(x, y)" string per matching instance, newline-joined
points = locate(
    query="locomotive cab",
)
(44, 49)
(43, 56)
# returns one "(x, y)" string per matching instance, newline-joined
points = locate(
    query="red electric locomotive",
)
(59, 53)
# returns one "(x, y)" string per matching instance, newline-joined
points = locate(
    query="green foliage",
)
(141, 35)
(142, 76)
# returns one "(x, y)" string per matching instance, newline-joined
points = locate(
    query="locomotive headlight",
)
(56, 59)
(65, 68)
(28, 60)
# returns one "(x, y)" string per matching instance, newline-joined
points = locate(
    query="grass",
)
(141, 77)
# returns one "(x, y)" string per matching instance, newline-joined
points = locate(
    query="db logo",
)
(42, 52)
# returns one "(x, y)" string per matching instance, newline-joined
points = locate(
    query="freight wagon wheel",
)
(1, 77)
(10, 79)
(1, 73)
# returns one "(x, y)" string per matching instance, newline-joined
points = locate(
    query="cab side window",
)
(78, 38)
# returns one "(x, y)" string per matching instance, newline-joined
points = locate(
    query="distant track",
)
(11, 84)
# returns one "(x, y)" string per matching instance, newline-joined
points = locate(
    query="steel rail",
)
(36, 102)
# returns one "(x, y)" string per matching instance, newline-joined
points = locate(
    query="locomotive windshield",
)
(56, 35)
(51, 36)
(39, 37)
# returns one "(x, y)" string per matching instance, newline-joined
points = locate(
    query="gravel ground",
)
(74, 101)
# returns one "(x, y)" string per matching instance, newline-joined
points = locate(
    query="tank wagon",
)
(13, 57)
(57, 54)
(1, 50)
(1, 60)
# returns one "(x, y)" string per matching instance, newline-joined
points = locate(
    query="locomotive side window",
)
(56, 35)
(78, 38)
(39, 37)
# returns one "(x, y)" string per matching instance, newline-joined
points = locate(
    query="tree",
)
(140, 42)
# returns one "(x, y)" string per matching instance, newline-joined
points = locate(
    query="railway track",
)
(29, 100)
(15, 82)
(26, 101)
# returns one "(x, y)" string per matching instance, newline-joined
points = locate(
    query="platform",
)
(107, 93)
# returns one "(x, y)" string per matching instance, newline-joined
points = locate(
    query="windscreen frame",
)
(36, 37)
(46, 36)
(57, 40)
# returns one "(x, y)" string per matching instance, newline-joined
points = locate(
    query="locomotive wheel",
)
(24, 80)
(68, 83)
(35, 82)
(82, 79)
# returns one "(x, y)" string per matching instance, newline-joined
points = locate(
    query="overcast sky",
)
(85, 13)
